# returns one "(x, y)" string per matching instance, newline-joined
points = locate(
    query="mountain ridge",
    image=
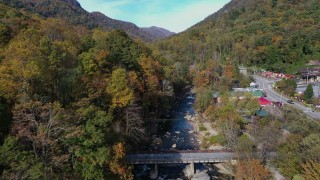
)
(72, 11)
(158, 32)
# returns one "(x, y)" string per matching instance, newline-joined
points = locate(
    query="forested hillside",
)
(72, 99)
(78, 90)
(71, 11)
(279, 35)
(159, 33)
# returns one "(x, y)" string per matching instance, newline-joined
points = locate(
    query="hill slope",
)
(158, 32)
(279, 35)
(72, 11)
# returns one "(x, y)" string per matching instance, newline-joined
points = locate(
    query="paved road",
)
(266, 84)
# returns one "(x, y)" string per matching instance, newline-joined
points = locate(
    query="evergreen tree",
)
(308, 94)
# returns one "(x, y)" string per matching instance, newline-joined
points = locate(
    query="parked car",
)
(290, 101)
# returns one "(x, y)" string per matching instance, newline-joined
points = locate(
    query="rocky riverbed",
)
(179, 132)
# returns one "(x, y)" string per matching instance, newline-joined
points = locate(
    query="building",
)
(254, 85)
(263, 102)
(258, 93)
(312, 74)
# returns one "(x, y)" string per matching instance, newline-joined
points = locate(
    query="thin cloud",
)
(175, 15)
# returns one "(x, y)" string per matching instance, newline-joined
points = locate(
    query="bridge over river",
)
(178, 157)
(184, 157)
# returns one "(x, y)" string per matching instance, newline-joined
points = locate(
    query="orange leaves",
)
(204, 74)
(201, 79)
(135, 82)
(152, 73)
(276, 38)
(116, 166)
(103, 54)
(229, 71)
(251, 169)
(119, 150)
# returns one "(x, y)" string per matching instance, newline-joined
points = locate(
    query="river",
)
(177, 133)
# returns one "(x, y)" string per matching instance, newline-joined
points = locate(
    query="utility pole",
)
(307, 76)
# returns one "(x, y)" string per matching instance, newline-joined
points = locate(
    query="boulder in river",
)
(174, 146)
(201, 176)
(188, 117)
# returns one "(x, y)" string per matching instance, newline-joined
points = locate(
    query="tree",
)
(18, 67)
(118, 88)
(288, 159)
(310, 147)
(116, 164)
(308, 94)
(90, 141)
(152, 78)
(288, 86)
(151, 73)
(311, 170)
(5, 119)
(134, 123)
(19, 163)
(229, 71)
(248, 105)
(5, 34)
(251, 169)
(203, 99)
(229, 120)
(267, 138)
(41, 127)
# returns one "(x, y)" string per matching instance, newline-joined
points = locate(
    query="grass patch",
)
(214, 140)
(202, 128)
(218, 139)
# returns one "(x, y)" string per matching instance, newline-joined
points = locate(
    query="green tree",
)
(310, 146)
(229, 120)
(19, 163)
(288, 86)
(5, 34)
(248, 105)
(308, 94)
(289, 160)
(203, 98)
(5, 119)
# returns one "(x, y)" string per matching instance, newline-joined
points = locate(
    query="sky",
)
(174, 15)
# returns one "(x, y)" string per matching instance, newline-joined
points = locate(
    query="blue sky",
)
(174, 15)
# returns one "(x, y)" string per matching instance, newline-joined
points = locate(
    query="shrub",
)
(202, 128)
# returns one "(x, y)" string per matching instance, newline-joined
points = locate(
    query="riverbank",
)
(204, 130)
(180, 131)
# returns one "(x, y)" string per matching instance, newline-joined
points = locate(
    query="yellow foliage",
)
(151, 70)
(311, 170)
(119, 150)
(118, 88)
(134, 81)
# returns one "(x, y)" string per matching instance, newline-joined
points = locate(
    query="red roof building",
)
(264, 102)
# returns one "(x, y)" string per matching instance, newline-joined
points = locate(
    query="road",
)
(266, 85)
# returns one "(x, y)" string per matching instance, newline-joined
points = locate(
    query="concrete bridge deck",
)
(181, 157)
